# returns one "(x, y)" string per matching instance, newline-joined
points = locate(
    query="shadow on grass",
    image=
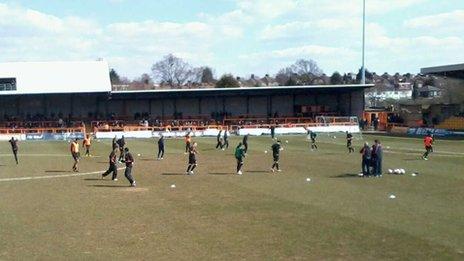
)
(257, 171)
(58, 171)
(209, 149)
(97, 179)
(412, 159)
(173, 174)
(108, 186)
(346, 175)
(221, 173)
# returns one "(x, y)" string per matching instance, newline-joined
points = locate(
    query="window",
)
(7, 84)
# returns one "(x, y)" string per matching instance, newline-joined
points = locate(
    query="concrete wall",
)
(258, 105)
(188, 106)
(236, 105)
(283, 105)
(210, 105)
(348, 103)
(156, 108)
(137, 106)
(115, 107)
(305, 99)
(357, 104)
(8, 106)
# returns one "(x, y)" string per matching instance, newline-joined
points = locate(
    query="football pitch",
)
(48, 213)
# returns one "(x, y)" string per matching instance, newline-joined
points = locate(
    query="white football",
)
(413, 174)
(265, 151)
(173, 186)
(138, 154)
(392, 196)
(286, 141)
(308, 179)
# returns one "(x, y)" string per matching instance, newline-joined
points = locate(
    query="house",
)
(400, 91)
(429, 92)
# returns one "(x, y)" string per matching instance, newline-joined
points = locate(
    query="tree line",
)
(174, 72)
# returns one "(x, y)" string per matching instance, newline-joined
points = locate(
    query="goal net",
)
(339, 121)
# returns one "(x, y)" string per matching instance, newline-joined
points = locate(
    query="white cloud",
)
(329, 58)
(31, 35)
(299, 29)
(258, 36)
(450, 22)
(267, 8)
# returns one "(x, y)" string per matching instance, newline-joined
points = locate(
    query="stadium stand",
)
(452, 123)
(52, 103)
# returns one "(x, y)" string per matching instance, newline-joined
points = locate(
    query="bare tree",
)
(284, 75)
(207, 75)
(306, 67)
(146, 79)
(196, 75)
(172, 70)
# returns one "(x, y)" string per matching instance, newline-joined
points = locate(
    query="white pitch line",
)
(42, 155)
(54, 176)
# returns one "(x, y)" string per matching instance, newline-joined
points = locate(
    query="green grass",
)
(218, 215)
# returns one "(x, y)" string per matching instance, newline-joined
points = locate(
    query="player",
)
(115, 143)
(86, 143)
(313, 137)
(377, 157)
(188, 141)
(121, 143)
(219, 144)
(272, 131)
(75, 154)
(14, 148)
(366, 159)
(192, 163)
(245, 143)
(349, 139)
(112, 166)
(225, 145)
(276, 148)
(239, 155)
(161, 147)
(129, 160)
(428, 142)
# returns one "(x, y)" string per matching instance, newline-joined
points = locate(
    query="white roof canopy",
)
(55, 77)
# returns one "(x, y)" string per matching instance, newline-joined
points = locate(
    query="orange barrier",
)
(284, 124)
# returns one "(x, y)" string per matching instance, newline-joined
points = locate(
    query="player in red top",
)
(428, 141)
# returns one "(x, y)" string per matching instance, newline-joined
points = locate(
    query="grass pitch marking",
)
(42, 155)
(53, 176)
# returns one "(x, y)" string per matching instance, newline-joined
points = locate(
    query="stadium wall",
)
(266, 102)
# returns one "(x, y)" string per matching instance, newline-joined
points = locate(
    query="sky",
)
(235, 36)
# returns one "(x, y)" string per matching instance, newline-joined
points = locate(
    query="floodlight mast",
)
(363, 68)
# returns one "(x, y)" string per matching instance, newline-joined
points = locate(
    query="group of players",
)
(371, 156)
(117, 144)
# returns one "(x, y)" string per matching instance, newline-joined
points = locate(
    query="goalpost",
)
(337, 120)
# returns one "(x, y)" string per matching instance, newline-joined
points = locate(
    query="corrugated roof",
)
(344, 86)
